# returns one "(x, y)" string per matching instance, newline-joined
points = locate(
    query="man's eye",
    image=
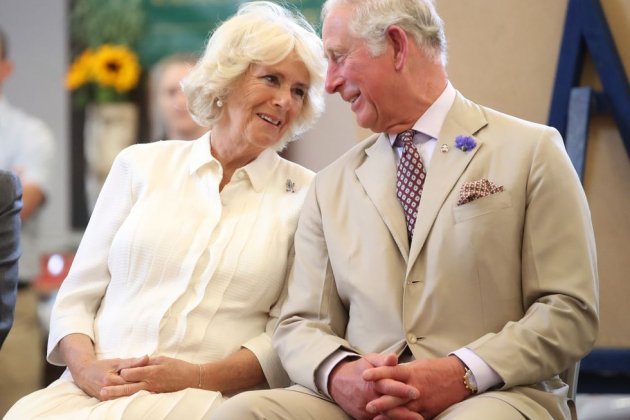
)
(338, 58)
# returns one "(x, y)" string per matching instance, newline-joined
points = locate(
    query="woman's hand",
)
(92, 378)
(162, 374)
(237, 372)
(90, 374)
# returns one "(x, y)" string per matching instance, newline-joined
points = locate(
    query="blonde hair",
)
(261, 32)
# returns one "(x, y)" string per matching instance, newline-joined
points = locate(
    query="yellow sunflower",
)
(116, 66)
(80, 71)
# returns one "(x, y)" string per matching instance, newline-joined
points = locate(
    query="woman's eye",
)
(299, 92)
(271, 78)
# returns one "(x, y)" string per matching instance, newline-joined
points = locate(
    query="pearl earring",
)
(219, 103)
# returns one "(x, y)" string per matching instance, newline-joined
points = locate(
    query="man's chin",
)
(363, 122)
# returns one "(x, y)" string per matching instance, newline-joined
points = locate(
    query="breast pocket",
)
(482, 206)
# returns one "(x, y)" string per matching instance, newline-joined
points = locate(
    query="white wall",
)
(333, 134)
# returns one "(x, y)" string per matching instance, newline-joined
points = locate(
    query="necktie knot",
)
(406, 137)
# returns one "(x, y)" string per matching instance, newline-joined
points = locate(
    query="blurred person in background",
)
(176, 287)
(10, 206)
(169, 112)
(26, 148)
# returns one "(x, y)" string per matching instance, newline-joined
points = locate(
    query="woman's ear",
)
(399, 41)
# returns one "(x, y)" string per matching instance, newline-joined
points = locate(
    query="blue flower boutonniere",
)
(465, 143)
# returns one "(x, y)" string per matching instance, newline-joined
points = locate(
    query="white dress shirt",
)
(170, 266)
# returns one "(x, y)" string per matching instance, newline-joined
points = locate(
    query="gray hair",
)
(371, 18)
(261, 32)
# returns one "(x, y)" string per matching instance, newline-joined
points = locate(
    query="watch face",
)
(469, 381)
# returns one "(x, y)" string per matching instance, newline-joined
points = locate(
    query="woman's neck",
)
(231, 154)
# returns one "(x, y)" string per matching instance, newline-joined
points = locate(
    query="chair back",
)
(570, 377)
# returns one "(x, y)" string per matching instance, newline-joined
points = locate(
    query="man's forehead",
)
(335, 33)
(336, 21)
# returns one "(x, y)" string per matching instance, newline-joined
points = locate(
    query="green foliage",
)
(97, 22)
(96, 94)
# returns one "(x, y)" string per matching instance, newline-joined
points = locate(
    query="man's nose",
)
(333, 80)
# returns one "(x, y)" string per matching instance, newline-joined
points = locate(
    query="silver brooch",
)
(444, 148)
(290, 186)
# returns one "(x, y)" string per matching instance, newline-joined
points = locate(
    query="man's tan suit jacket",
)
(511, 275)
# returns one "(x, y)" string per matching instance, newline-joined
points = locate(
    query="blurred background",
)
(502, 54)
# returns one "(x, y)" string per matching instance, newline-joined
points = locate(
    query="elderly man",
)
(444, 267)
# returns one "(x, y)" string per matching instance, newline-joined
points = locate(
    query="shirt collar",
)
(200, 153)
(431, 122)
(258, 171)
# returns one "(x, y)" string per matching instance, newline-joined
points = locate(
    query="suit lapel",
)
(377, 175)
(464, 118)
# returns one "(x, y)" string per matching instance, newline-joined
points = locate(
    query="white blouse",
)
(170, 266)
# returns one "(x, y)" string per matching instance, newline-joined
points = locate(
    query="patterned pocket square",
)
(477, 189)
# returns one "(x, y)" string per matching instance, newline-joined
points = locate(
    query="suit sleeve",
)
(261, 345)
(558, 275)
(313, 320)
(10, 206)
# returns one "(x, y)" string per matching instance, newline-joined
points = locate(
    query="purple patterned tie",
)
(410, 176)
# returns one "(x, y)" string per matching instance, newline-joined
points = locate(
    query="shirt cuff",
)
(484, 375)
(325, 368)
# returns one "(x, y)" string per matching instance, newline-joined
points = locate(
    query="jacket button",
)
(412, 338)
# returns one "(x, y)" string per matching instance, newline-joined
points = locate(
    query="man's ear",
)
(6, 67)
(400, 44)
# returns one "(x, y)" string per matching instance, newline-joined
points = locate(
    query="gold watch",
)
(469, 381)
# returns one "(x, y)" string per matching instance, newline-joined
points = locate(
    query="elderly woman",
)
(177, 283)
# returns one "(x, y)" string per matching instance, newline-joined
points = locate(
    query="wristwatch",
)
(469, 381)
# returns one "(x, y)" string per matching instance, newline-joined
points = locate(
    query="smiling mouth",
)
(269, 119)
